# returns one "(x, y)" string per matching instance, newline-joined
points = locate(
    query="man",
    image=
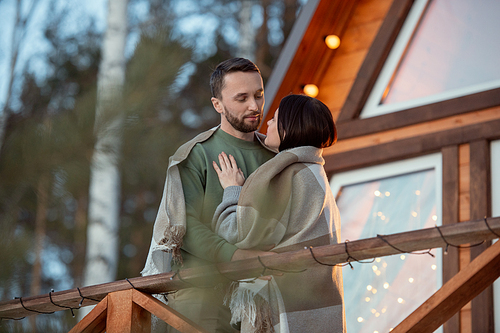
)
(238, 96)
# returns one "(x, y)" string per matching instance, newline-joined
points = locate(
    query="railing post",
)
(125, 316)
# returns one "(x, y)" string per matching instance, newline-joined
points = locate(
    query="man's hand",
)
(229, 173)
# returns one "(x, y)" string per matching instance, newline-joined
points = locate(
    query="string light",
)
(403, 257)
(411, 280)
(414, 214)
(387, 193)
(377, 193)
(386, 285)
(417, 192)
(400, 300)
(434, 217)
(433, 267)
(360, 319)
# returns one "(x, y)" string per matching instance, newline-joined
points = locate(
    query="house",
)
(414, 88)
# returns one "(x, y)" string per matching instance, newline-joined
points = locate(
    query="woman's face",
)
(273, 139)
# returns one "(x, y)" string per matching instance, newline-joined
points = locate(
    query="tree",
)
(21, 20)
(104, 193)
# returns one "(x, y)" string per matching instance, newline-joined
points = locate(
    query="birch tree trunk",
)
(40, 233)
(246, 43)
(104, 193)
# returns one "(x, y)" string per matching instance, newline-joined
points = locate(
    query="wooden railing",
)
(125, 306)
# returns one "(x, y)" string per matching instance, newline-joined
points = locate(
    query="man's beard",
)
(239, 124)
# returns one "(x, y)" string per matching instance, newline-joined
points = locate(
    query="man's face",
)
(241, 104)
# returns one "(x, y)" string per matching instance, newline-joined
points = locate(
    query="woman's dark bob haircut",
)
(305, 121)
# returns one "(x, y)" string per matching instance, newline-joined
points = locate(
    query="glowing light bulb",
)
(417, 192)
(387, 193)
(403, 257)
(386, 285)
(377, 314)
(379, 213)
(369, 287)
(433, 267)
(374, 291)
(332, 41)
(377, 273)
(360, 319)
(378, 260)
(367, 299)
(434, 217)
(414, 214)
(400, 300)
(377, 193)
(411, 280)
(375, 268)
(311, 90)
(373, 311)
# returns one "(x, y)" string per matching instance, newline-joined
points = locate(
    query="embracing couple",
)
(232, 193)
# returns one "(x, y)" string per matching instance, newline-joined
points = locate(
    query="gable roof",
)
(346, 76)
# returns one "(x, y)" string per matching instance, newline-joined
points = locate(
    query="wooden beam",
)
(375, 60)
(166, 313)
(451, 107)
(210, 275)
(94, 321)
(451, 262)
(124, 316)
(411, 147)
(457, 292)
(482, 306)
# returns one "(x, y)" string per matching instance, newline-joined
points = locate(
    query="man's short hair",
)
(229, 66)
(305, 121)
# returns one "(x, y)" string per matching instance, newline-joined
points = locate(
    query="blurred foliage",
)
(166, 101)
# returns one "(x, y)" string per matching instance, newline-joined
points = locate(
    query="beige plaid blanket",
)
(287, 202)
(170, 224)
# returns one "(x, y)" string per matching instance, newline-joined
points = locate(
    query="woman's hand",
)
(229, 173)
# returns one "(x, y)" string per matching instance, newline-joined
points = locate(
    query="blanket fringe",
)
(245, 303)
(172, 239)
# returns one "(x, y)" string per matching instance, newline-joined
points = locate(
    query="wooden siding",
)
(460, 128)
(338, 79)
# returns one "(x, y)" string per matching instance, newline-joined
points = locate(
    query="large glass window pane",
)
(446, 49)
(378, 295)
(456, 45)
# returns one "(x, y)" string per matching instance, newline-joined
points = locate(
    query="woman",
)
(286, 202)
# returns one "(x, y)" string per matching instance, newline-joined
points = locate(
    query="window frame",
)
(394, 169)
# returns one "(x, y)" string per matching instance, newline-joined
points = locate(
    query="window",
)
(445, 49)
(387, 199)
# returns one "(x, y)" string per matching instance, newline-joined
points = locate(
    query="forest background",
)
(50, 62)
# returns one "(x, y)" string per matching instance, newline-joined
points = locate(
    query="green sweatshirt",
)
(203, 193)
